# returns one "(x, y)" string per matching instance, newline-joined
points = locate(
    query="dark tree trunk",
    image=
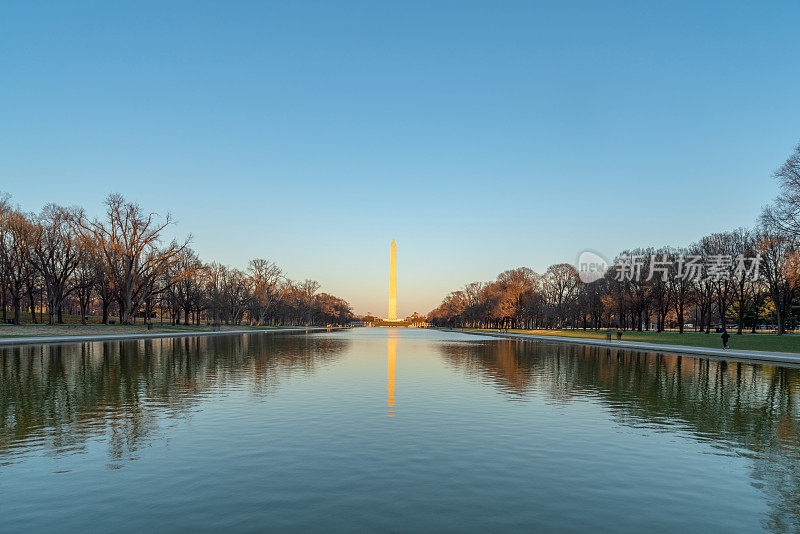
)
(756, 311)
(83, 302)
(17, 304)
(32, 304)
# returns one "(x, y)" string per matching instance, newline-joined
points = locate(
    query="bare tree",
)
(306, 291)
(188, 284)
(33, 289)
(681, 286)
(15, 249)
(779, 265)
(56, 254)
(561, 284)
(658, 283)
(744, 287)
(119, 262)
(234, 295)
(85, 280)
(128, 245)
(719, 249)
(785, 215)
(264, 277)
(517, 284)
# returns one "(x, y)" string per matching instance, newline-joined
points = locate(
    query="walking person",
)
(725, 337)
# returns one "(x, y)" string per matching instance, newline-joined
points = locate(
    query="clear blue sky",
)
(482, 136)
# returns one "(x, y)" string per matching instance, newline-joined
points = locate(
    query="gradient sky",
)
(481, 135)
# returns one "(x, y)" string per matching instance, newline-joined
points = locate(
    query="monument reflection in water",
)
(253, 432)
(391, 364)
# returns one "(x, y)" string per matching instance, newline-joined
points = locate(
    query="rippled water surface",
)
(392, 429)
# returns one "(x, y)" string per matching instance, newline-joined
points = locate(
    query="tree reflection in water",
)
(57, 398)
(744, 409)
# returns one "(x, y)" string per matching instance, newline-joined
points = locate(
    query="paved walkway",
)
(33, 340)
(782, 357)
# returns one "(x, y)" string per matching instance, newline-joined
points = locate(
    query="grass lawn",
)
(764, 342)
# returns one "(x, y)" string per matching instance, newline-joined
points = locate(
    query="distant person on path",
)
(725, 337)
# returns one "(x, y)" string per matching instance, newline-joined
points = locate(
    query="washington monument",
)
(393, 283)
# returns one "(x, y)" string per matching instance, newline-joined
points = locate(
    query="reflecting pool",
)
(392, 429)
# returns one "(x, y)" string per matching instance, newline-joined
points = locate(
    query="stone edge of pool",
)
(750, 355)
(11, 341)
